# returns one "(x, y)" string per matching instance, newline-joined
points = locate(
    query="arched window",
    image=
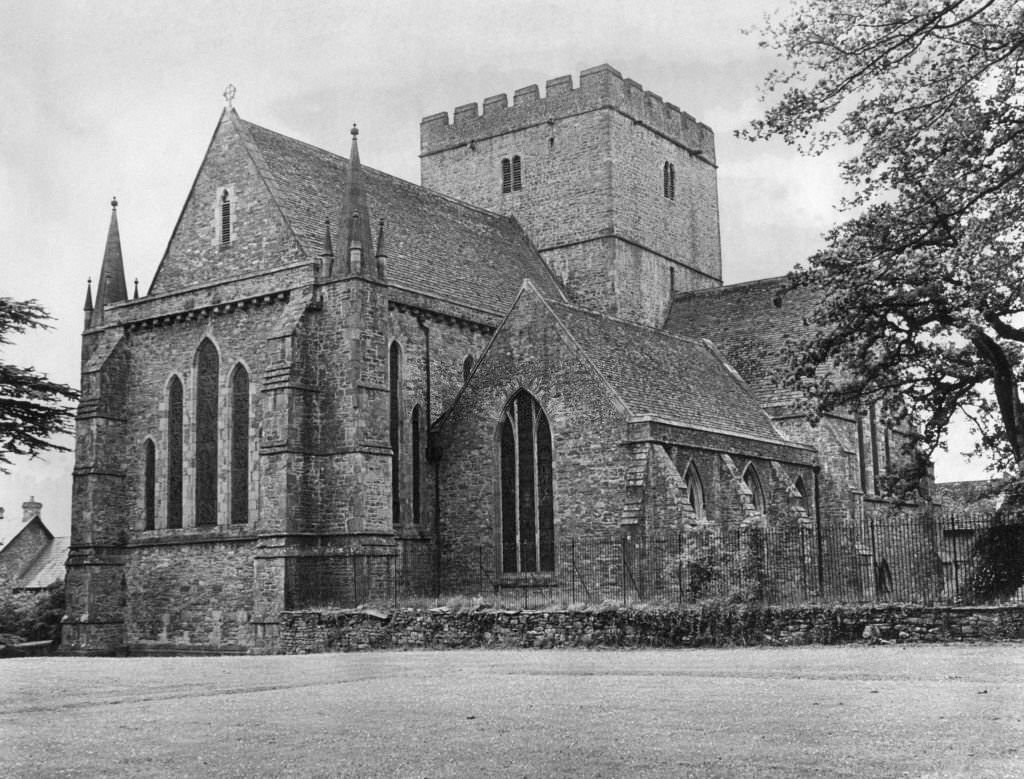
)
(511, 174)
(695, 493)
(225, 217)
(175, 417)
(394, 386)
(149, 482)
(416, 445)
(527, 505)
(240, 446)
(669, 180)
(467, 368)
(753, 482)
(207, 378)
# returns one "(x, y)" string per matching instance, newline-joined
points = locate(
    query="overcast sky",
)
(104, 98)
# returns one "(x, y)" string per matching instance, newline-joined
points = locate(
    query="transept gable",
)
(232, 224)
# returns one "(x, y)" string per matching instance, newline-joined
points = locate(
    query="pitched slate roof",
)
(743, 321)
(436, 245)
(48, 566)
(682, 381)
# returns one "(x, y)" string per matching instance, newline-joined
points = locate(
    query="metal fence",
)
(923, 559)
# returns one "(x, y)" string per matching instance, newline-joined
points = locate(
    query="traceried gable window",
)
(175, 418)
(669, 180)
(511, 174)
(240, 445)
(527, 500)
(207, 380)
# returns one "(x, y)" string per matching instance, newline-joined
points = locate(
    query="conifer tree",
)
(33, 409)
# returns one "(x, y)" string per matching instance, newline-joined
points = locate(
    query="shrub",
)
(34, 616)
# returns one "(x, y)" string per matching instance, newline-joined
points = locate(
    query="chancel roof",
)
(436, 245)
(680, 381)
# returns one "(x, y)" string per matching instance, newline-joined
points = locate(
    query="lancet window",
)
(175, 418)
(207, 379)
(240, 445)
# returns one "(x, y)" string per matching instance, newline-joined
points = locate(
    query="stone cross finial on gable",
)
(229, 94)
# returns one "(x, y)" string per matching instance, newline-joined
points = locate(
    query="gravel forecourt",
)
(910, 710)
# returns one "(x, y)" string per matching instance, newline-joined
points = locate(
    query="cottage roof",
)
(437, 245)
(745, 323)
(657, 374)
(48, 566)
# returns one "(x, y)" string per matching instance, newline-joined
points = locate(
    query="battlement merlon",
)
(599, 87)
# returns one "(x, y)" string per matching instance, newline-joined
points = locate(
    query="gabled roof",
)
(20, 528)
(745, 323)
(436, 245)
(681, 381)
(48, 566)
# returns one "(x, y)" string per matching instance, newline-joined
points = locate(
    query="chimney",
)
(30, 509)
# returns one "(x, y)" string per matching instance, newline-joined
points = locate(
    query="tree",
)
(33, 409)
(922, 287)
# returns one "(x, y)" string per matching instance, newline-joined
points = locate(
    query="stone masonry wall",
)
(592, 197)
(590, 462)
(197, 594)
(441, 628)
(261, 240)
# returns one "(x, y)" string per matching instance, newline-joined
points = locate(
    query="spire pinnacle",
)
(111, 287)
(87, 308)
(136, 295)
(382, 257)
(355, 223)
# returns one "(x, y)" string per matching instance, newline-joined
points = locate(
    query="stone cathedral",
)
(338, 378)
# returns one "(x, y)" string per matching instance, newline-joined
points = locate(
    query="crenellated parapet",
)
(599, 87)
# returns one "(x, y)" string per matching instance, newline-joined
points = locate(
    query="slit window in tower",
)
(506, 175)
(669, 180)
(517, 173)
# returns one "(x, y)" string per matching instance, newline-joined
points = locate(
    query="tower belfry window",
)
(669, 180)
(511, 174)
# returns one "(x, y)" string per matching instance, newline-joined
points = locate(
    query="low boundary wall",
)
(731, 625)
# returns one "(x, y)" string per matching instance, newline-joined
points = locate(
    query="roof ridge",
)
(639, 325)
(375, 171)
(680, 295)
